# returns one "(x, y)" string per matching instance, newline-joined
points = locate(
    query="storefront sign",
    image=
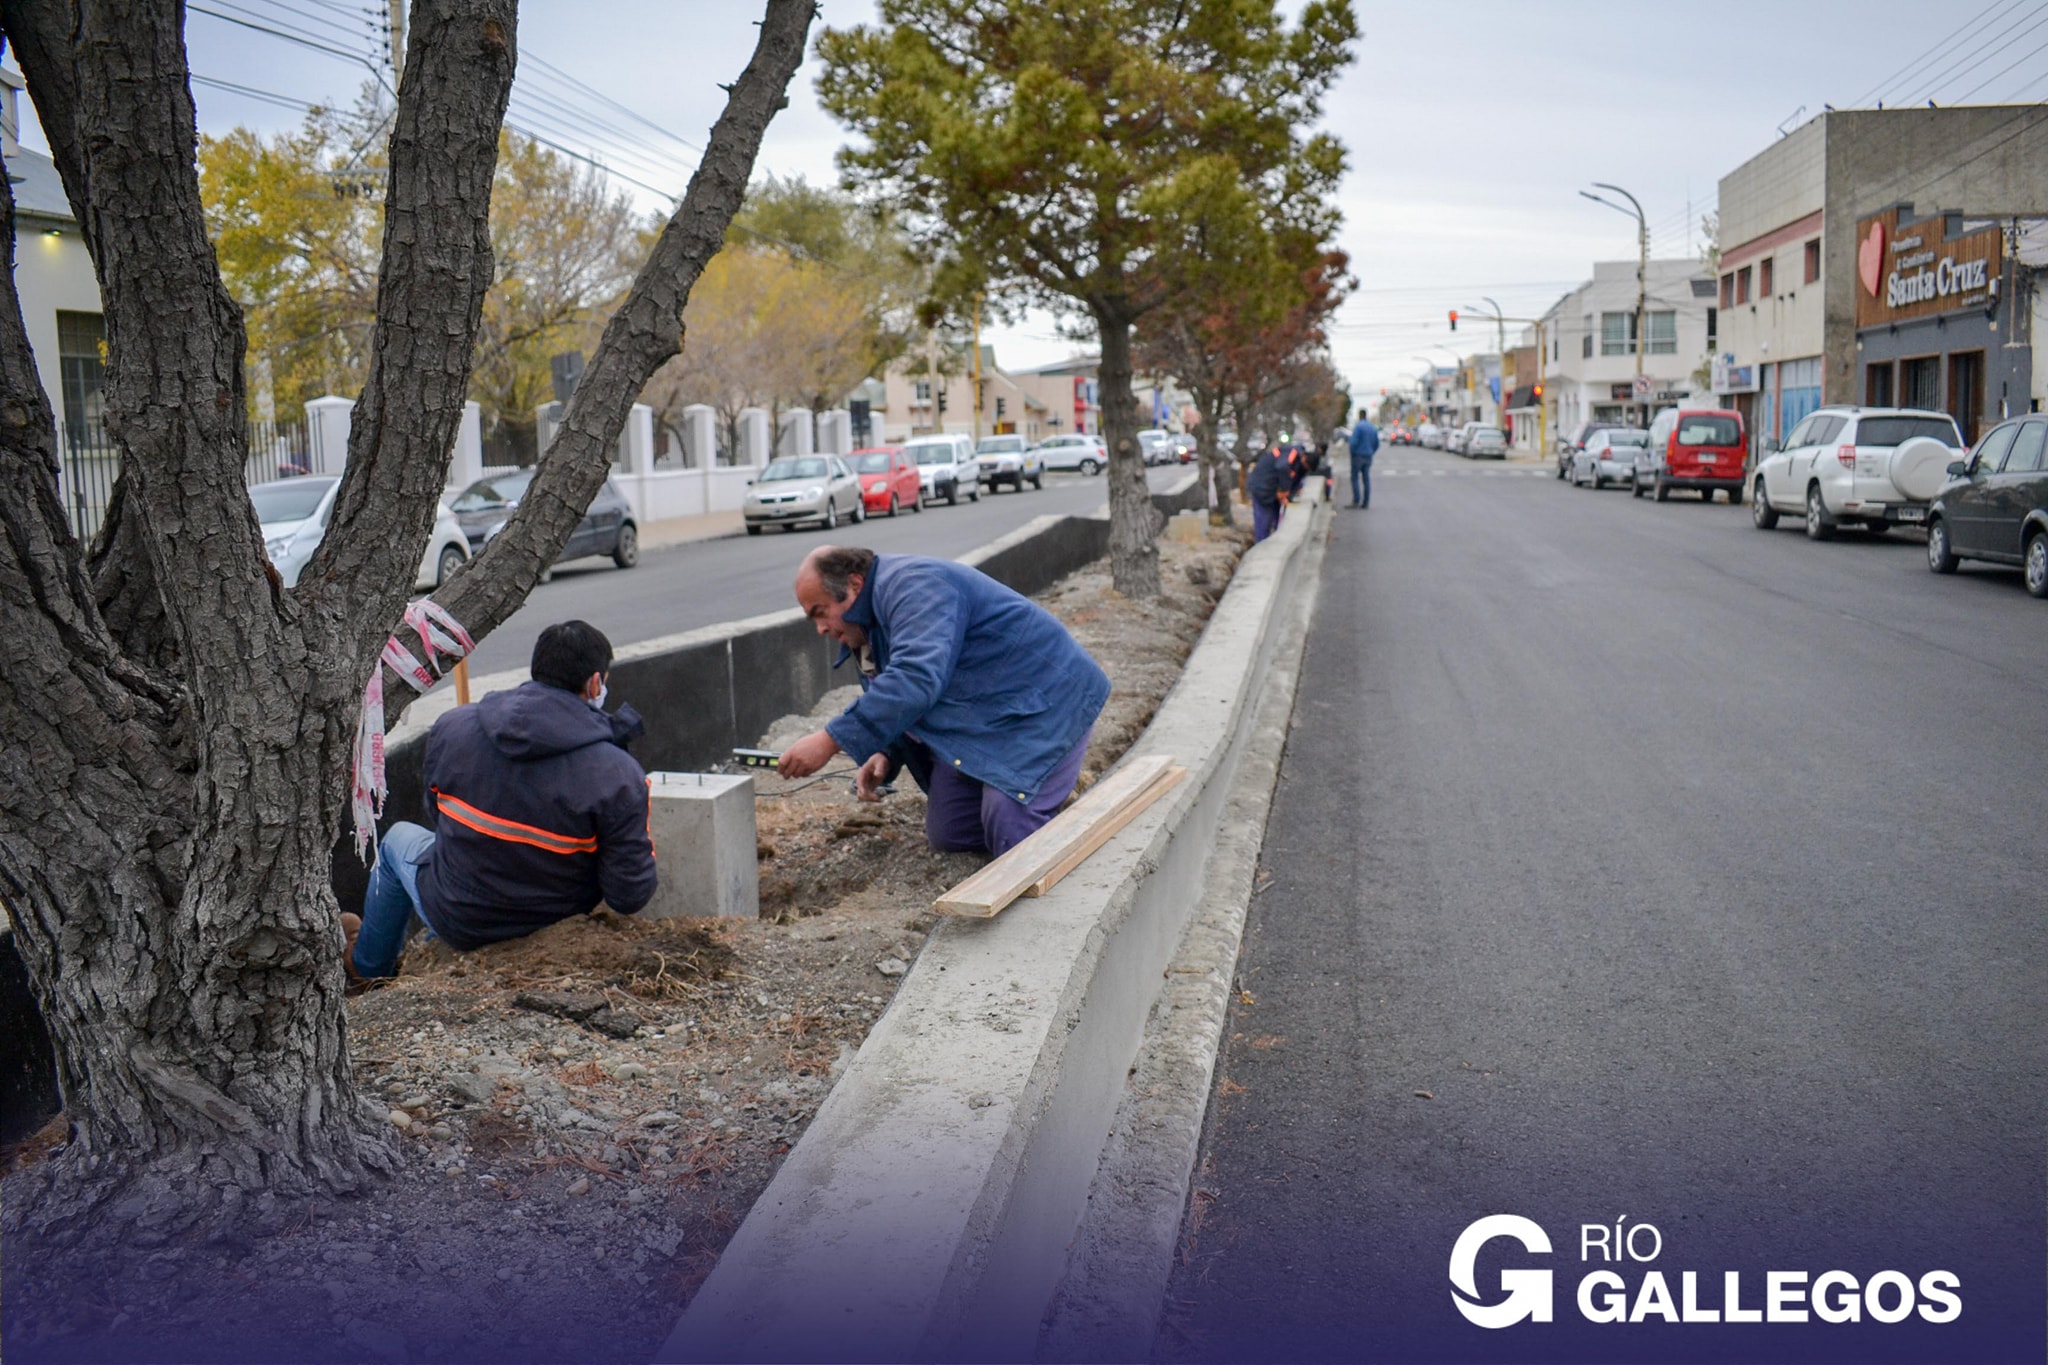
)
(1729, 377)
(1916, 270)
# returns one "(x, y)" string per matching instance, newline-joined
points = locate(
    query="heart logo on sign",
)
(1870, 259)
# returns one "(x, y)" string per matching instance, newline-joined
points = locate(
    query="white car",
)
(1157, 445)
(1074, 451)
(1609, 456)
(1008, 459)
(294, 513)
(799, 488)
(946, 466)
(1430, 435)
(1873, 467)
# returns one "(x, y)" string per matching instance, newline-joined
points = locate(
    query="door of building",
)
(1920, 383)
(1966, 392)
(1877, 385)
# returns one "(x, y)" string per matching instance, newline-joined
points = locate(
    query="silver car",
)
(1074, 451)
(801, 488)
(1609, 456)
(1486, 443)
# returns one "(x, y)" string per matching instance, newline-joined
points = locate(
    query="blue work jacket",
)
(1365, 441)
(986, 678)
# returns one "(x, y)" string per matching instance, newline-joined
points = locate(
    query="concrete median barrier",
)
(931, 1209)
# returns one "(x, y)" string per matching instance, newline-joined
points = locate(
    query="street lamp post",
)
(1642, 269)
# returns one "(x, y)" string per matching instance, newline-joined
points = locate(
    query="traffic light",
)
(1454, 319)
(942, 397)
(1539, 393)
(1001, 403)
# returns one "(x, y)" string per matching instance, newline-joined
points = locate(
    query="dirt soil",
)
(587, 1114)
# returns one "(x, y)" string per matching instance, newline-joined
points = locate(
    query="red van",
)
(1701, 448)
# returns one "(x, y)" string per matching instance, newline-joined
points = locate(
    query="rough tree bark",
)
(1133, 521)
(174, 725)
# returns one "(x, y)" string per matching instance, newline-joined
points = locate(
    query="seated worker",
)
(978, 690)
(538, 812)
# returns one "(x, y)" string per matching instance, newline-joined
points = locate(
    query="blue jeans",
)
(391, 905)
(1361, 482)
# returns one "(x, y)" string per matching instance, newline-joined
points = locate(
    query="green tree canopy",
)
(1091, 156)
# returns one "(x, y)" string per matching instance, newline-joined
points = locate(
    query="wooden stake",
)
(1064, 842)
(462, 682)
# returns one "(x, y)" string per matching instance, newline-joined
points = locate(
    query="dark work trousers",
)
(965, 816)
(1265, 519)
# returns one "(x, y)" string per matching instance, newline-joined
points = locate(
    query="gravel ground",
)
(588, 1113)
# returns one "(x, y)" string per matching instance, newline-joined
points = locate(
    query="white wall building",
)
(1590, 343)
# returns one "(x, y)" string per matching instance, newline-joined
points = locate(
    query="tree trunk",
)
(175, 725)
(1210, 453)
(1133, 522)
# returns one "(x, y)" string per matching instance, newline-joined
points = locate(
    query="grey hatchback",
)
(1996, 507)
(607, 527)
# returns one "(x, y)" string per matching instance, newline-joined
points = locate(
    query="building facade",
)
(1590, 345)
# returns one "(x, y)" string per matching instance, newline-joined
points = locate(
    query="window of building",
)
(1617, 334)
(1713, 329)
(1813, 260)
(1742, 285)
(82, 367)
(1663, 333)
(1728, 290)
(1920, 382)
(1763, 277)
(923, 390)
(1586, 339)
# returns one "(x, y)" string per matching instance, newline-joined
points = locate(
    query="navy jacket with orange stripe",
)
(540, 813)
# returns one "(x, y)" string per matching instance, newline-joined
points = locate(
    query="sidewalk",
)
(656, 535)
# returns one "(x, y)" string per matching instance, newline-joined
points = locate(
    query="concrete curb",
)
(929, 1209)
(1109, 1302)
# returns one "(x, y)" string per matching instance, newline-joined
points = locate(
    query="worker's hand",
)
(872, 774)
(807, 755)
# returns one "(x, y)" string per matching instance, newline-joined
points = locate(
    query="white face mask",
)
(603, 691)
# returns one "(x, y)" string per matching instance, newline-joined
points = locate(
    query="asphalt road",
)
(1629, 863)
(683, 587)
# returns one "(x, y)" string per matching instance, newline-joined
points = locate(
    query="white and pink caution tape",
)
(439, 634)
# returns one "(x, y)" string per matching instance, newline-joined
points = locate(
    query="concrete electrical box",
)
(705, 849)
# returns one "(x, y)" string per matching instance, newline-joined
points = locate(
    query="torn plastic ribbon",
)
(439, 633)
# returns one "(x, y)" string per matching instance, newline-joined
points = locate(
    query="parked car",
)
(1701, 448)
(1609, 456)
(1486, 443)
(1400, 436)
(1156, 443)
(1454, 439)
(1430, 435)
(889, 480)
(1568, 446)
(1074, 451)
(607, 527)
(1008, 460)
(799, 488)
(1873, 467)
(946, 466)
(294, 514)
(1995, 507)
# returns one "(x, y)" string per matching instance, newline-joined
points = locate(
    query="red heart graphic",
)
(1870, 259)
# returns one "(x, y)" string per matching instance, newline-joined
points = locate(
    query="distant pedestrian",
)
(1270, 487)
(1365, 443)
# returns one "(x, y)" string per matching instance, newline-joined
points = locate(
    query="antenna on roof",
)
(1789, 117)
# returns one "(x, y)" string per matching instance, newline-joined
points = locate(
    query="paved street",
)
(1629, 862)
(687, 586)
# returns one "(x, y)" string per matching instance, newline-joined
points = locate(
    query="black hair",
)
(568, 652)
(1364, 414)
(838, 563)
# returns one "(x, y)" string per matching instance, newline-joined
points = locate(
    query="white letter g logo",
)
(1528, 1291)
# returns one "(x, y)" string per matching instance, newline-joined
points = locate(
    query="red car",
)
(1700, 448)
(888, 479)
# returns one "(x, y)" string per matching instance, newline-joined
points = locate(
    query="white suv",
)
(1008, 459)
(1076, 450)
(946, 467)
(1874, 467)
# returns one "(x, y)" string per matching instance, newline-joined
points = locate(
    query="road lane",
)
(1629, 862)
(683, 587)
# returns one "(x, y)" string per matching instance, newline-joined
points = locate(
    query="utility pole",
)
(396, 22)
(1642, 273)
(977, 369)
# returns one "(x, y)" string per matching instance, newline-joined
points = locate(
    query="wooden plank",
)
(1008, 877)
(1106, 829)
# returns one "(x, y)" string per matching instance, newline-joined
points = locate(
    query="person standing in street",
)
(1365, 443)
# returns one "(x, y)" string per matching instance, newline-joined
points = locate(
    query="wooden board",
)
(1106, 829)
(1016, 872)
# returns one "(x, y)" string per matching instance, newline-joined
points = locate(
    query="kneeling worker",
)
(538, 814)
(978, 690)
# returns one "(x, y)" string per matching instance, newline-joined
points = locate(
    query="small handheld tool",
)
(755, 758)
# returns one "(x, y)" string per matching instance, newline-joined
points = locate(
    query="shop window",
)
(1920, 382)
(1617, 334)
(1742, 285)
(1728, 290)
(1663, 333)
(1813, 260)
(1763, 277)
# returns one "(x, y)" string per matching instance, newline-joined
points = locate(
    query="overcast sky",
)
(1471, 126)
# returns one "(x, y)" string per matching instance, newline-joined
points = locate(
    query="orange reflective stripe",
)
(462, 813)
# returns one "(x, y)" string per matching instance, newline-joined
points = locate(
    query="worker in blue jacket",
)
(979, 691)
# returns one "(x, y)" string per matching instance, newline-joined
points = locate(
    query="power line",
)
(2001, 72)
(1920, 60)
(1950, 72)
